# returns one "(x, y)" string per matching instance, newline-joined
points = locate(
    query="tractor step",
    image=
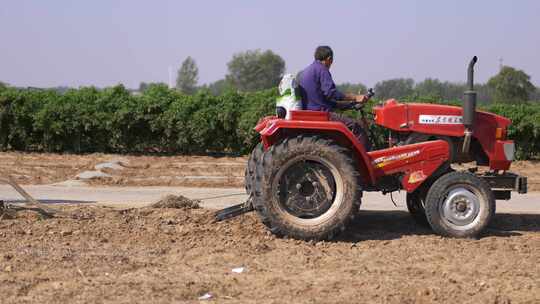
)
(233, 211)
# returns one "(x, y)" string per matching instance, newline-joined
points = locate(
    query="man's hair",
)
(323, 52)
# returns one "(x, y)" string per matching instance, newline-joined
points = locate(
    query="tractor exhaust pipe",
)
(469, 107)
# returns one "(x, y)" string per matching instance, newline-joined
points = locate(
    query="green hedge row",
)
(114, 120)
(525, 127)
(162, 120)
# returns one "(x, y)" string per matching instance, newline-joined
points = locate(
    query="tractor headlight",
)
(509, 150)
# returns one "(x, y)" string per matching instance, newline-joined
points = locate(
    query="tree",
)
(255, 70)
(511, 86)
(484, 93)
(430, 88)
(219, 87)
(61, 89)
(143, 86)
(188, 76)
(394, 88)
(452, 91)
(353, 88)
(535, 96)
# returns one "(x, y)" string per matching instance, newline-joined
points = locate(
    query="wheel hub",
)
(460, 208)
(307, 189)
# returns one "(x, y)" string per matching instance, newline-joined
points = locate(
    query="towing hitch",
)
(233, 211)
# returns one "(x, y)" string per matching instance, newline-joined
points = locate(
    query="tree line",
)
(249, 71)
(256, 70)
(510, 85)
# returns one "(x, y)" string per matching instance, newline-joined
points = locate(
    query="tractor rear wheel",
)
(307, 187)
(459, 204)
(249, 173)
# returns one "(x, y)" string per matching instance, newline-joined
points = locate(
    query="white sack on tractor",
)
(288, 99)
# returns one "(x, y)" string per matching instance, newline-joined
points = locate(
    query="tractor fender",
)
(273, 130)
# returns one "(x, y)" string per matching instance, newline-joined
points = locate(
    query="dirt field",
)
(98, 254)
(198, 171)
(203, 171)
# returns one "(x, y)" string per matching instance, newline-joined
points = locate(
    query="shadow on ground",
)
(389, 225)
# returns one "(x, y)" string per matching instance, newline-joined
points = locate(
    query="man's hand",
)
(360, 98)
(356, 98)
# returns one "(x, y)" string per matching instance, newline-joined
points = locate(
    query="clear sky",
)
(106, 42)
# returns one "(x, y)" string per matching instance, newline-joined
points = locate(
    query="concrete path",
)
(123, 197)
(216, 198)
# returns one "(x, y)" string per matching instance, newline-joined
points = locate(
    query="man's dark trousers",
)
(355, 128)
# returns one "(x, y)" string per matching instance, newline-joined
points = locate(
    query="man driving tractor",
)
(319, 93)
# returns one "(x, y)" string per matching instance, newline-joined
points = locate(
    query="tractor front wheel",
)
(459, 204)
(306, 187)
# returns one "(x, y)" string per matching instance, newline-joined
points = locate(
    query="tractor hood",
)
(432, 118)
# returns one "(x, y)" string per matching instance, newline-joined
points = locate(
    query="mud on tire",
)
(307, 187)
(459, 204)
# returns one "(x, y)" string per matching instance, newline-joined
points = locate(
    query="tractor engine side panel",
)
(414, 162)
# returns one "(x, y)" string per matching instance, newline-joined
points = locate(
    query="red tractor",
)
(307, 175)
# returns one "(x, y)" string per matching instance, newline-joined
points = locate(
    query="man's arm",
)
(330, 91)
(349, 99)
(328, 87)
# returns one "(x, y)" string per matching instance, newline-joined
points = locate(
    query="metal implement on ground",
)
(233, 211)
(30, 204)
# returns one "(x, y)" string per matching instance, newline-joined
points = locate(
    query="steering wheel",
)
(360, 106)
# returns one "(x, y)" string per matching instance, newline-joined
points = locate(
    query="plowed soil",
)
(148, 255)
(103, 255)
(195, 171)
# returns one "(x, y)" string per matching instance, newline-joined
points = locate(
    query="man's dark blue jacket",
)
(318, 89)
